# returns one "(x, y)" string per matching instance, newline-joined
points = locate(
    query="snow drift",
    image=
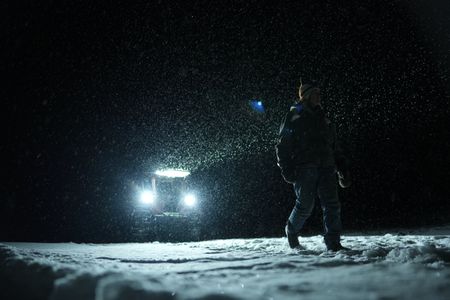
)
(388, 266)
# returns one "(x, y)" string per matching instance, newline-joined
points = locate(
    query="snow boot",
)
(336, 247)
(292, 237)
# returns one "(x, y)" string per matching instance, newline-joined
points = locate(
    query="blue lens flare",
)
(257, 105)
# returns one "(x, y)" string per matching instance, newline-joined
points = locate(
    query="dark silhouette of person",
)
(310, 156)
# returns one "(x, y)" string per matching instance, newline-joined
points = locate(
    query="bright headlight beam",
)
(173, 173)
(147, 197)
(189, 200)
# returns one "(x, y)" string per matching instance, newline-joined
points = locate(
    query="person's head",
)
(309, 94)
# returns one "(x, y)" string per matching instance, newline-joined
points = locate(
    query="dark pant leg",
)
(327, 190)
(305, 189)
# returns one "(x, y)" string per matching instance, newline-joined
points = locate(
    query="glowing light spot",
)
(172, 173)
(190, 200)
(147, 197)
(257, 105)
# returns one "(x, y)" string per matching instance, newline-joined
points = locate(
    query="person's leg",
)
(305, 189)
(327, 190)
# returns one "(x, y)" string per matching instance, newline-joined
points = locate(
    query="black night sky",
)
(96, 96)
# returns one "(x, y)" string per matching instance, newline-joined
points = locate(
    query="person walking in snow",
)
(309, 156)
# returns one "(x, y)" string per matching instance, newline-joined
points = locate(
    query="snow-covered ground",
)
(384, 266)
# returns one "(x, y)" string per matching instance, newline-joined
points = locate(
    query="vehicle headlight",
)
(190, 200)
(147, 197)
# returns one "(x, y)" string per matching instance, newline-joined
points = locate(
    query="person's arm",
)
(342, 162)
(284, 150)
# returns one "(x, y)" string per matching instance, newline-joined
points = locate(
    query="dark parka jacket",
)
(308, 138)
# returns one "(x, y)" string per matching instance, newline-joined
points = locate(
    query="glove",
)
(345, 180)
(289, 175)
